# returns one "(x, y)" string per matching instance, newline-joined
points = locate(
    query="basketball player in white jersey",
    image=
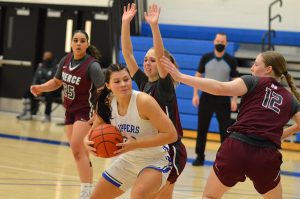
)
(144, 163)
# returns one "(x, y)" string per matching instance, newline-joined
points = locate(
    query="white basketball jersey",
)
(137, 127)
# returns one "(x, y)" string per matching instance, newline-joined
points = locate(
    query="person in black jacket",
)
(44, 72)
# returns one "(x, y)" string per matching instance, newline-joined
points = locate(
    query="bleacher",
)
(187, 53)
(237, 35)
(188, 44)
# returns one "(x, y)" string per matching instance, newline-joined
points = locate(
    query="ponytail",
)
(291, 83)
(94, 52)
(103, 105)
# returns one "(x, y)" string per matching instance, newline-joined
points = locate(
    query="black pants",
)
(49, 98)
(208, 105)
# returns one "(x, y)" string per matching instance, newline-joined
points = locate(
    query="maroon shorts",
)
(236, 160)
(178, 155)
(79, 115)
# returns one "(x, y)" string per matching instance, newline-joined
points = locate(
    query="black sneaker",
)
(198, 162)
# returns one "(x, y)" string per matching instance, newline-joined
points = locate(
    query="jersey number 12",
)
(272, 100)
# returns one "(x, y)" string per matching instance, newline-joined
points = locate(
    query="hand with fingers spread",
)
(152, 15)
(127, 145)
(88, 144)
(171, 68)
(129, 13)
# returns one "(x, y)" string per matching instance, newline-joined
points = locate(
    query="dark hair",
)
(223, 34)
(103, 108)
(279, 66)
(91, 50)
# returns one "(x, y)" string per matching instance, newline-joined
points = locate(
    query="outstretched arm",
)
(152, 17)
(48, 86)
(236, 87)
(127, 51)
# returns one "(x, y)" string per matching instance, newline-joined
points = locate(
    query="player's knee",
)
(77, 154)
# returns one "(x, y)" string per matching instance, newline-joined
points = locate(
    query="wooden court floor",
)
(36, 163)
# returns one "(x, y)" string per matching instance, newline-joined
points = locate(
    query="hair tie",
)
(285, 73)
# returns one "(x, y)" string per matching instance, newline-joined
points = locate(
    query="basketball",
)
(105, 138)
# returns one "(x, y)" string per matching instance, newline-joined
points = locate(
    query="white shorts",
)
(123, 173)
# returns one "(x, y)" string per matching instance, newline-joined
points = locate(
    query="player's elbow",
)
(172, 136)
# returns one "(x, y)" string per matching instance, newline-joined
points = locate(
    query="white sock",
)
(85, 186)
(92, 187)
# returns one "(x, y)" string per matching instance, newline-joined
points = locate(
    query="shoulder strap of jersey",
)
(68, 59)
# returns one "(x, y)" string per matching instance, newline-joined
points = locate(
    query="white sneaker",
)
(85, 190)
(47, 118)
(92, 189)
(26, 116)
(85, 194)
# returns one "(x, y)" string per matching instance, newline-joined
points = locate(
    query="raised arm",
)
(127, 50)
(236, 87)
(152, 17)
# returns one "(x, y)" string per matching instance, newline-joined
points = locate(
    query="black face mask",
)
(47, 63)
(219, 47)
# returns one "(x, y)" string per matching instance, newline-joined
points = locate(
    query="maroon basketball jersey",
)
(264, 111)
(77, 86)
(163, 92)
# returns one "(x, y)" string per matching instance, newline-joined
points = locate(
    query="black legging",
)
(49, 97)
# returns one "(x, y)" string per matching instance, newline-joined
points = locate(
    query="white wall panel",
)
(252, 14)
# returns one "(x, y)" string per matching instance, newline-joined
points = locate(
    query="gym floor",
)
(36, 163)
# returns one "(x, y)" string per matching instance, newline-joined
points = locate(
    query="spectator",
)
(44, 72)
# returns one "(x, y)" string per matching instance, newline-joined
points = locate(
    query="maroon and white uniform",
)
(78, 86)
(251, 149)
(163, 92)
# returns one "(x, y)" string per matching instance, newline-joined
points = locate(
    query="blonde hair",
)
(172, 59)
(279, 66)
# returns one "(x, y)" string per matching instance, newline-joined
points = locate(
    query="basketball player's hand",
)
(89, 145)
(171, 68)
(129, 12)
(128, 144)
(152, 15)
(36, 90)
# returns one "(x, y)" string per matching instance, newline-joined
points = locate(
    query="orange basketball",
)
(105, 138)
